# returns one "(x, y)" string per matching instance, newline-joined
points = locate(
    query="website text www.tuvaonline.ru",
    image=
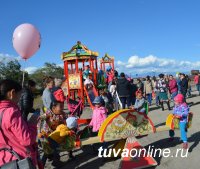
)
(150, 152)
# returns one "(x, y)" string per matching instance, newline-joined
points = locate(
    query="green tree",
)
(49, 69)
(12, 70)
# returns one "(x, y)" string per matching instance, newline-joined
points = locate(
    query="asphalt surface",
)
(86, 158)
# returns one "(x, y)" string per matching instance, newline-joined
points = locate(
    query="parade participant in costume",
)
(162, 87)
(181, 111)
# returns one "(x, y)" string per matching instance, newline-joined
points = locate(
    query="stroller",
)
(75, 107)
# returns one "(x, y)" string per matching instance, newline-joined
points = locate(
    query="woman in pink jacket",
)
(17, 134)
(197, 82)
(173, 88)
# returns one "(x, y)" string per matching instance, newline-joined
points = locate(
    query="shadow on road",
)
(160, 124)
(154, 108)
(162, 144)
(194, 104)
(194, 138)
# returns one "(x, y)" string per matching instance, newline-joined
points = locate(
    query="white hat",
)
(88, 81)
(72, 122)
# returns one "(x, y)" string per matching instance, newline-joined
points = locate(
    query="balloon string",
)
(23, 70)
(23, 78)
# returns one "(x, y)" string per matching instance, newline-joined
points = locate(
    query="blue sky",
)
(142, 35)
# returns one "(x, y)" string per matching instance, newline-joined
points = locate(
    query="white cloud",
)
(155, 64)
(4, 57)
(31, 70)
(61, 65)
(120, 63)
(136, 61)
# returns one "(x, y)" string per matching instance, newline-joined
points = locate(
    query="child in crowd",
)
(48, 123)
(139, 102)
(86, 72)
(57, 91)
(110, 76)
(113, 94)
(88, 81)
(99, 114)
(113, 88)
(181, 111)
(72, 125)
(108, 100)
(89, 87)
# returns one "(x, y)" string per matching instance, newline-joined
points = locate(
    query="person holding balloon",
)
(15, 133)
(26, 41)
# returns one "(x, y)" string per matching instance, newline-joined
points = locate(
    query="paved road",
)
(86, 158)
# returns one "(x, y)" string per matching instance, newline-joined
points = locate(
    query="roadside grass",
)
(38, 102)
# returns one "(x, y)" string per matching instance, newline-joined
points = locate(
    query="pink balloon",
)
(26, 40)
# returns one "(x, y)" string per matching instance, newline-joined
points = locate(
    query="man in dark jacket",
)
(26, 100)
(183, 86)
(123, 90)
(133, 89)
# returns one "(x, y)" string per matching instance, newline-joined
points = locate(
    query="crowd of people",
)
(163, 89)
(16, 104)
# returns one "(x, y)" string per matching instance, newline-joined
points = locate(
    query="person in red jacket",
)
(197, 82)
(15, 133)
(173, 88)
